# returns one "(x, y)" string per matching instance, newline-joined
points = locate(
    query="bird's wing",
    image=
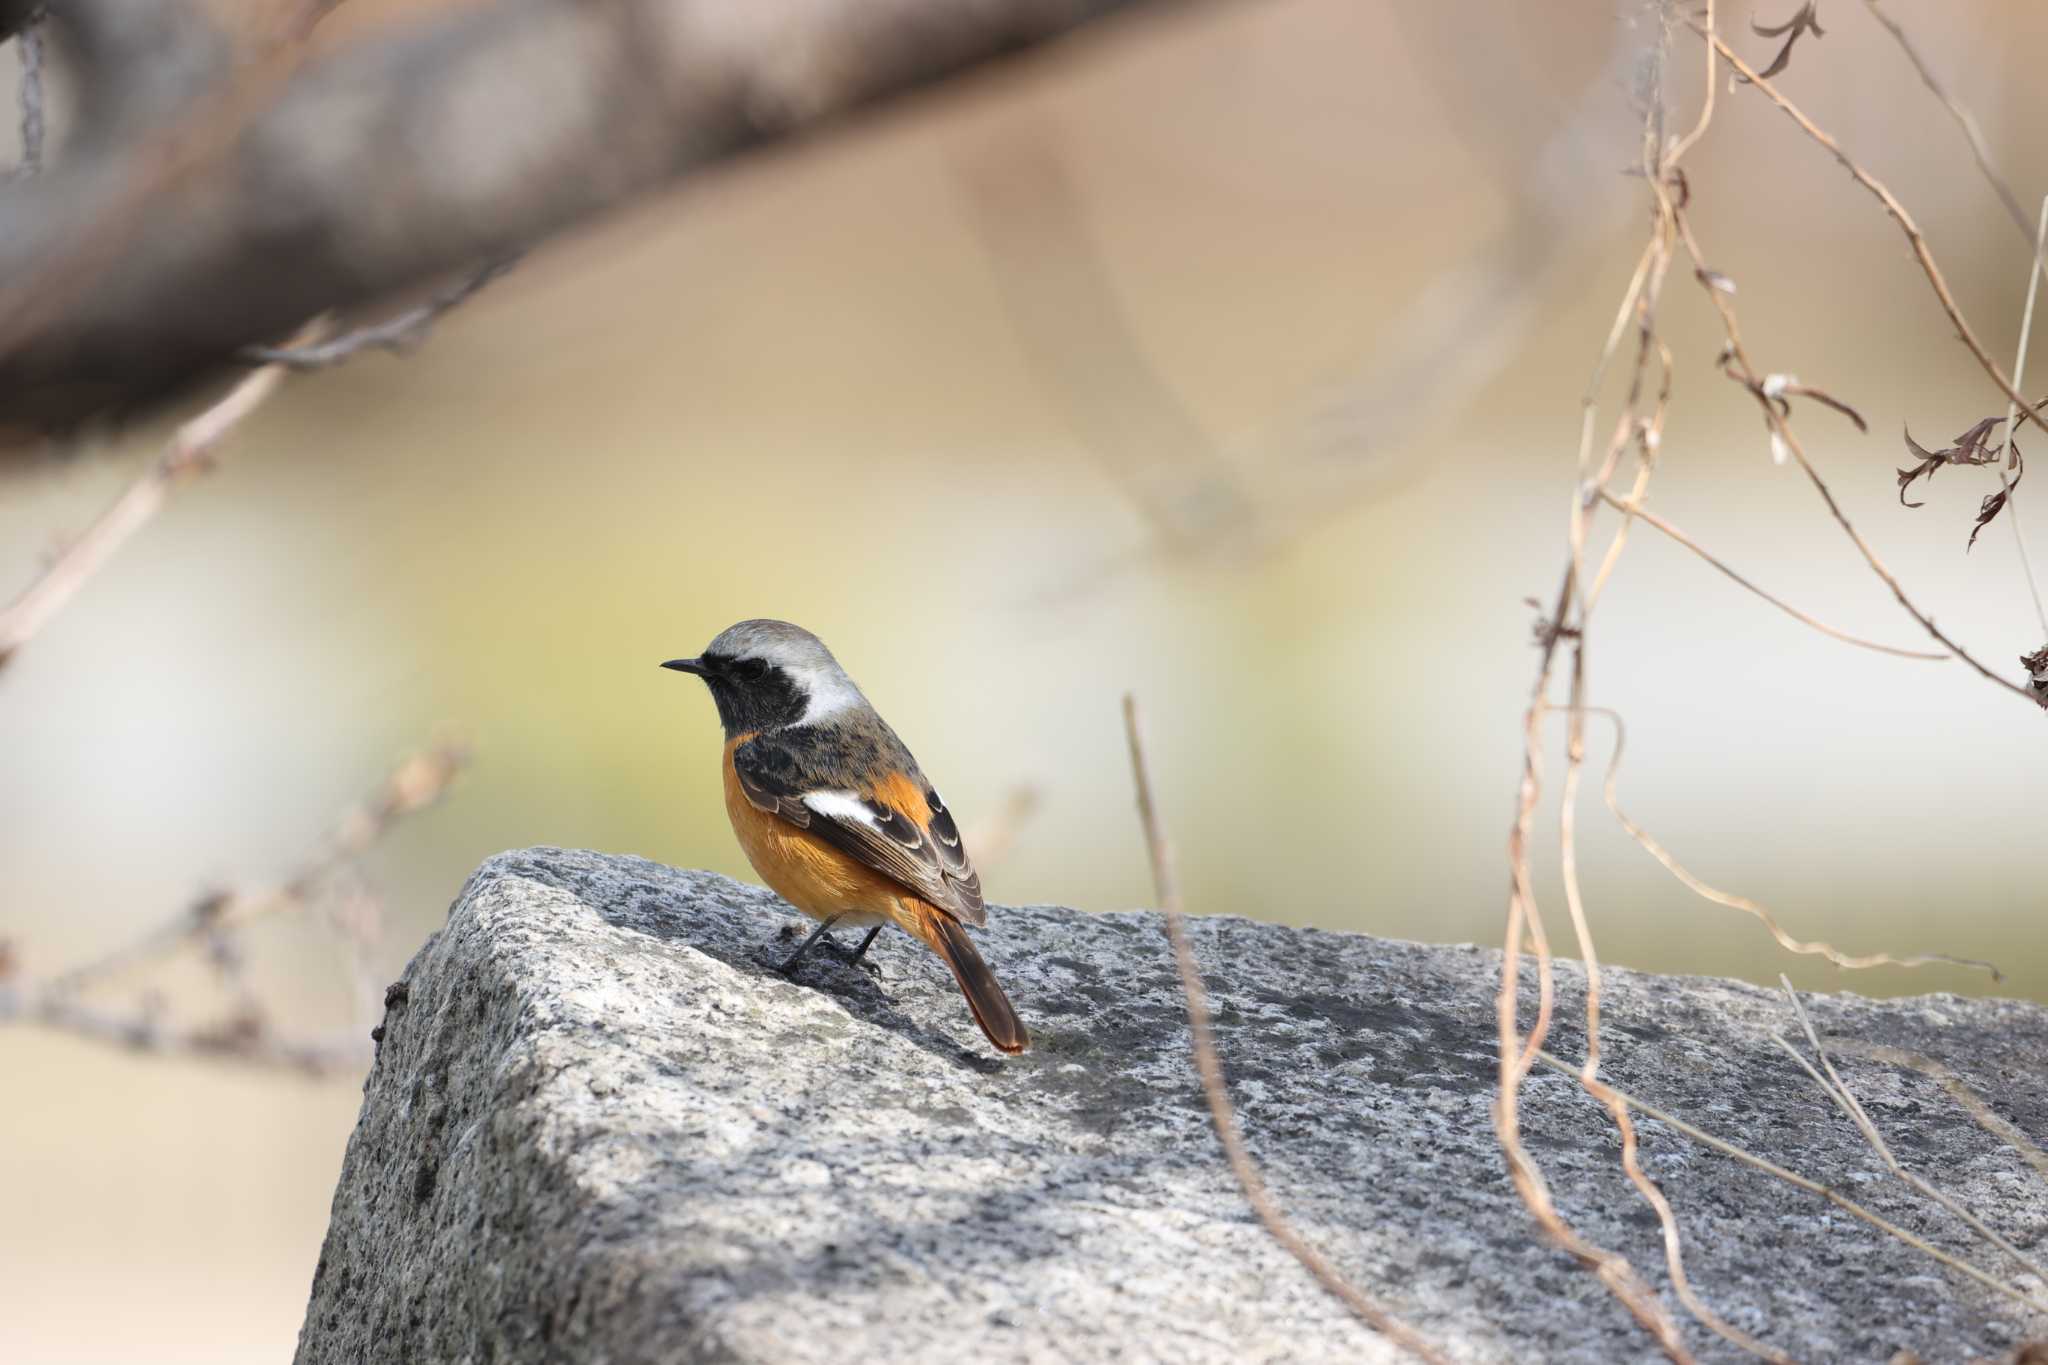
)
(919, 850)
(954, 864)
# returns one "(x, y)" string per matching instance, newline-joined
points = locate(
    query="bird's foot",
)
(788, 931)
(860, 959)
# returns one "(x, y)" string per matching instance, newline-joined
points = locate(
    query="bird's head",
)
(767, 675)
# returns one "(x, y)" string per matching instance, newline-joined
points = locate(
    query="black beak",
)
(687, 666)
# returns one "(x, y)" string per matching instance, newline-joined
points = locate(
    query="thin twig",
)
(1840, 1201)
(1699, 130)
(244, 1034)
(2019, 377)
(418, 782)
(1516, 1052)
(189, 453)
(1982, 152)
(1743, 903)
(1589, 1074)
(1958, 1090)
(1836, 1089)
(1166, 880)
(1653, 520)
(1914, 238)
(397, 334)
(237, 1038)
(1780, 427)
(1978, 148)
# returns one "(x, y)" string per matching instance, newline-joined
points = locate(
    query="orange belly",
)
(805, 870)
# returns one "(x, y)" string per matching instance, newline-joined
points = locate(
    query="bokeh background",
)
(1231, 356)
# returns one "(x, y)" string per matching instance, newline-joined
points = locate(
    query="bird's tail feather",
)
(984, 996)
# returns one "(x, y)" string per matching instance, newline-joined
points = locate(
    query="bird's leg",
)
(804, 947)
(862, 951)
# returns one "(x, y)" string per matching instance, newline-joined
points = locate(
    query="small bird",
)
(833, 811)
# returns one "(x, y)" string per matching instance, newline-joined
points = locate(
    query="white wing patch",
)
(840, 806)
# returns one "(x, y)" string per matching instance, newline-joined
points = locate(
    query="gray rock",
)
(600, 1128)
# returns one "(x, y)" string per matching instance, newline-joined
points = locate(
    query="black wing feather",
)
(953, 862)
(934, 868)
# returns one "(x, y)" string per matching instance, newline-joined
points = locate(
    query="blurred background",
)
(1231, 356)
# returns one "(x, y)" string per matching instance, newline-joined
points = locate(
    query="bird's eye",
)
(750, 669)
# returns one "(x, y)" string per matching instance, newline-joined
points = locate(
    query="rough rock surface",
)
(601, 1128)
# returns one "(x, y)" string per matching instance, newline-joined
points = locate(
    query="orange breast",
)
(803, 869)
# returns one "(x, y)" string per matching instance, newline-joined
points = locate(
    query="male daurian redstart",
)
(832, 809)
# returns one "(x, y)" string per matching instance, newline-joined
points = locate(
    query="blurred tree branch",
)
(1249, 493)
(245, 1033)
(217, 190)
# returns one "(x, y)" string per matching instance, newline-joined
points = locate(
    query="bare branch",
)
(420, 781)
(237, 1038)
(244, 1034)
(1166, 881)
(1652, 519)
(1971, 132)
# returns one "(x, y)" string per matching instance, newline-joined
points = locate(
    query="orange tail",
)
(991, 1007)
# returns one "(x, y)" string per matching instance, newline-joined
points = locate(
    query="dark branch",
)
(405, 158)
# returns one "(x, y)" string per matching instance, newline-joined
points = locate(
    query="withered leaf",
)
(1807, 20)
(1994, 503)
(1972, 447)
(2036, 665)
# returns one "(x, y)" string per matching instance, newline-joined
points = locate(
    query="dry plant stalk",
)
(1837, 1090)
(1166, 881)
(1914, 238)
(1814, 1187)
(1971, 133)
(1968, 1100)
(189, 453)
(2008, 496)
(1740, 368)
(1982, 154)
(1656, 522)
(1640, 426)
(1575, 599)
(1743, 903)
